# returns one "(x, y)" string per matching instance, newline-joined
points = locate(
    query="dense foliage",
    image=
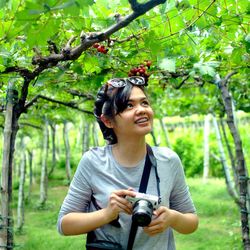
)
(188, 42)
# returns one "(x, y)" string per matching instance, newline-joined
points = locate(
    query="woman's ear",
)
(107, 122)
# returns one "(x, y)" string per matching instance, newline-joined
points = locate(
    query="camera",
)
(143, 207)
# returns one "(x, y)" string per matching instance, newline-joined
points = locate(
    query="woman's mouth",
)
(141, 120)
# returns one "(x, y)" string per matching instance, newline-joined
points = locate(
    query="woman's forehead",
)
(137, 93)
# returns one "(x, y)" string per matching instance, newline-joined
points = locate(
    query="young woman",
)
(97, 197)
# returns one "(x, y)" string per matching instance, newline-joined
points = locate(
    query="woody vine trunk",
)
(44, 169)
(241, 166)
(10, 131)
(14, 108)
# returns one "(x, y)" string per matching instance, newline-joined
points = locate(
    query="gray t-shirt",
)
(99, 174)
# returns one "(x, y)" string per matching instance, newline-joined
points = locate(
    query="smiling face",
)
(137, 118)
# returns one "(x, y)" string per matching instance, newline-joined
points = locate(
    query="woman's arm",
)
(184, 223)
(81, 223)
(75, 223)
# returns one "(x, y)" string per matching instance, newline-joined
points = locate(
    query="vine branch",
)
(80, 94)
(192, 23)
(72, 105)
(30, 125)
(87, 40)
(70, 53)
(228, 76)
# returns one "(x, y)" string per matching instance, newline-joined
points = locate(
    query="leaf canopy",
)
(188, 42)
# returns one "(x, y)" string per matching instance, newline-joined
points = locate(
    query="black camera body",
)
(143, 207)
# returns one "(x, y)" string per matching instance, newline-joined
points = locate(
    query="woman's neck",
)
(129, 154)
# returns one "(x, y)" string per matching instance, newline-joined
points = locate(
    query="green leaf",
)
(66, 5)
(237, 55)
(77, 67)
(2, 3)
(70, 8)
(168, 64)
(152, 44)
(182, 5)
(145, 23)
(163, 8)
(129, 53)
(248, 8)
(247, 42)
(207, 68)
(91, 63)
(202, 23)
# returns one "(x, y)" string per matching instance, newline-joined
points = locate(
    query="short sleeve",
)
(79, 193)
(180, 198)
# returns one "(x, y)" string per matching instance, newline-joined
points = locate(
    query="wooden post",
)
(206, 148)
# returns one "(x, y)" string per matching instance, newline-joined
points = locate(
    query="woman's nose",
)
(140, 110)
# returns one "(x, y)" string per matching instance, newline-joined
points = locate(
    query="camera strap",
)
(149, 162)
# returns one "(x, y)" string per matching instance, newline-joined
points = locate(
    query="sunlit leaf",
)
(206, 68)
(168, 64)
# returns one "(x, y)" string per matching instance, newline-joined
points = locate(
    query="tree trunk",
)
(10, 131)
(206, 148)
(165, 132)
(241, 165)
(85, 142)
(67, 151)
(20, 205)
(44, 169)
(14, 169)
(58, 142)
(154, 138)
(232, 160)
(53, 140)
(30, 159)
(95, 134)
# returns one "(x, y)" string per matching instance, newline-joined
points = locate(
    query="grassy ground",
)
(219, 227)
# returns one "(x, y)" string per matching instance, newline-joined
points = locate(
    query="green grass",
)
(219, 227)
(40, 230)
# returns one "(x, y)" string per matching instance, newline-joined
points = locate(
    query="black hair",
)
(111, 101)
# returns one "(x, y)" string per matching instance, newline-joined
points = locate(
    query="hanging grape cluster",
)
(100, 48)
(141, 70)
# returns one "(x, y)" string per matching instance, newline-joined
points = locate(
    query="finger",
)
(130, 192)
(122, 203)
(154, 222)
(155, 228)
(151, 231)
(128, 205)
(151, 228)
(124, 193)
(124, 208)
(159, 211)
(121, 199)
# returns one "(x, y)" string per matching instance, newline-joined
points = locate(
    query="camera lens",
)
(142, 212)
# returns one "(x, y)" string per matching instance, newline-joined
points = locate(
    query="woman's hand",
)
(161, 220)
(165, 218)
(118, 203)
(76, 223)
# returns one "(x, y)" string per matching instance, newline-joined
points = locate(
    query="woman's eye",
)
(129, 105)
(145, 103)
